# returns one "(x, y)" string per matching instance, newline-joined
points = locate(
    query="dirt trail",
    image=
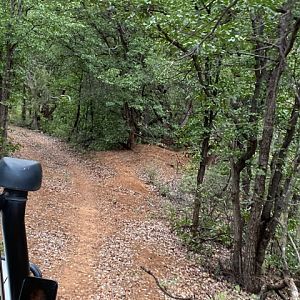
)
(95, 222)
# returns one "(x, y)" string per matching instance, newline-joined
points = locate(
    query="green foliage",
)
(108, 74)
(180, 220)
(118, 72)
(61, 123)
(222, 296)
(8, 147)
(215, 210)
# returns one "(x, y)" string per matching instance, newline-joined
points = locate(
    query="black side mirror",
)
(34, 288)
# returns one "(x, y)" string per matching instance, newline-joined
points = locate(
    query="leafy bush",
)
(215, 218)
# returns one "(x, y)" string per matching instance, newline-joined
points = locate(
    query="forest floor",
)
(96, 221)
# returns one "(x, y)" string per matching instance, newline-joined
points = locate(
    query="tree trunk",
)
(35, 121)
(251, 268)
(92, 114)
(287, 196)
(246, 180)
(76, 122)
(237, 222)
(24, 108)
(275, 201)
(253, 255)
(240, 165)
(130, 116)
(187, 114)
(6, 76)
(5, 90)
(208, 122)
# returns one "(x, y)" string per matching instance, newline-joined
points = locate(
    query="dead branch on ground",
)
(163, 289)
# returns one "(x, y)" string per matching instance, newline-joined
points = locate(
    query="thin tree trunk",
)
(130, 116)
(77, 118)
(6, 76)
(187, 114)
(23, 113)
(92, 114)
(208, 121)
(237, 222)
(5, 91)
(35, 121)
(24, 103)
(246, 180)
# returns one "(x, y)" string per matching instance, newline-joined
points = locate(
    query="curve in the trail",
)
(94, 224)
(84, 214)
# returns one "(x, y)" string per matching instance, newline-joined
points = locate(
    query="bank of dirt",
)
(95, 222)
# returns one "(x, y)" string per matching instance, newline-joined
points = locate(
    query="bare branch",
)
(266, 288)
(163, 289)
(225, 11)
(294, 247)
(293, 37)
(174, 42)
(252, 54)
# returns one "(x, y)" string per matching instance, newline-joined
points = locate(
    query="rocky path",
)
(94, 224)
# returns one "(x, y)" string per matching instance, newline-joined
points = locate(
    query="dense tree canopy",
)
(218, 78)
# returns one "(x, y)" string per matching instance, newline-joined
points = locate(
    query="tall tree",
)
(11, 16)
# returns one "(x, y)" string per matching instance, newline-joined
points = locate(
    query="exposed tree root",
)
(287, 282)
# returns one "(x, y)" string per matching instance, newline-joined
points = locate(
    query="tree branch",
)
(219, 21)
(163, 289)
(174, 42)
(293, 37)
(266, 288)
(294, 247)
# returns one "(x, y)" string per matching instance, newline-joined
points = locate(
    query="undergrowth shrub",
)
(215, 216)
